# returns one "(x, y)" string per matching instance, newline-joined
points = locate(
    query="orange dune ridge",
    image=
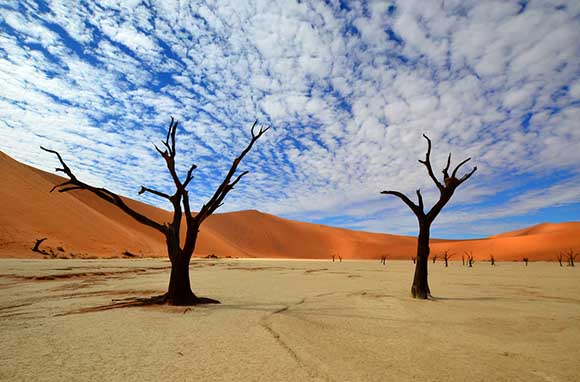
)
(78, 224)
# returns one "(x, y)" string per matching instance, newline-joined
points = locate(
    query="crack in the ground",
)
(312, 372)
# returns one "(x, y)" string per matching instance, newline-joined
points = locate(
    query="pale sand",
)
(290, 321)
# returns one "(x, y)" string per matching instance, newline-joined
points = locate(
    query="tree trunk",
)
(420, 288)
(179, 290)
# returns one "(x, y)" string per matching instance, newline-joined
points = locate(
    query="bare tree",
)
(446, 257)
(36, 247)
(384, 260)
(434, 258)
(470, 258)
(420, 287)
(492, 260)
(463, 260)
(525, 260)
(571, 257)
(560, 257)
(179, 290)
(414, 259)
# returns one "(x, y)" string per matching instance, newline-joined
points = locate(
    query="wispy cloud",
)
(348, 88)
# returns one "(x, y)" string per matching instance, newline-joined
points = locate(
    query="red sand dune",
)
(84, 225)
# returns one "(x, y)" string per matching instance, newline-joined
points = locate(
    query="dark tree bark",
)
(420, 287)
(36, 247)
(179, 290)
(446, 257)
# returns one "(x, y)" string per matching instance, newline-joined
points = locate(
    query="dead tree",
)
(560, 257)
(470, 258)
(463, 260)
(340, 258)
(434, 258)
(571, 257)
(446, 257)
(492, 260)
(420, 287)
(414, 259)
(179, 290)
(525, 260)
(384, 260)
(36, 247)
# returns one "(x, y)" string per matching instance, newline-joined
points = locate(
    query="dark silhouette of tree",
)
(434, 258)
(463, 260)
(384, 260)
(470, 258)
(560, 257)
(420, 287)
(36, 247)
(179, 290)
(571, 257)
(414, 259)
(525, 260)
(446, 257)
(492, 260)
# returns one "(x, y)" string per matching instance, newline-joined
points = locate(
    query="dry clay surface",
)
(289, 321)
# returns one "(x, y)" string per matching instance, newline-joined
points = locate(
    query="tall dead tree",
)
(179, 290)
(446, 257)
(571, 255)
(470, 258)
(420, 287)
(492, 260)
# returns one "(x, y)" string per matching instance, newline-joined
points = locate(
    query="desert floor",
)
(290, 321)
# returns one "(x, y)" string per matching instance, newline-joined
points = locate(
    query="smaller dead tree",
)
(446, 257)
(414, 259)
(36, 247)
(434, 259)
(384, 260)
(560, 257)
(492, 260)
(525, 260)
(470, 259)
(333, 258)
(463, 260)
(571, 257)
(340, 258)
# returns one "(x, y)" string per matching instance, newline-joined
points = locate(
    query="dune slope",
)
(82, 225)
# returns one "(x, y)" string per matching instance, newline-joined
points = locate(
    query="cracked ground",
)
(288, 321)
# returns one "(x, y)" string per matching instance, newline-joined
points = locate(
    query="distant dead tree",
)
(571, 257)
(340, 258)
(420, 287)
(384, 260)
(446, 257)
(463, 260)
(414, 259)
(525, 260)
(333, 258)
(36, 247)
(560, 257)
(492, 260)
(470, 259)
(179, 290)
(434, 259)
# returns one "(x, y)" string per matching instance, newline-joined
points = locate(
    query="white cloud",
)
(348, 102)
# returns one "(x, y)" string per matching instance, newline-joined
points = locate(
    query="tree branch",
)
(226, 186)
(427, 163)
(102, 193)
(468, 175)
(459, 165)
(420, 197)
(446, 169)
(154, 192)
(415, 208)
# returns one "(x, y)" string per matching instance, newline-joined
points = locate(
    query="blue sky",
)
(348, 88)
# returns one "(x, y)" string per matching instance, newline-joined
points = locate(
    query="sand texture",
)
(78, 224)
(289, 321)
